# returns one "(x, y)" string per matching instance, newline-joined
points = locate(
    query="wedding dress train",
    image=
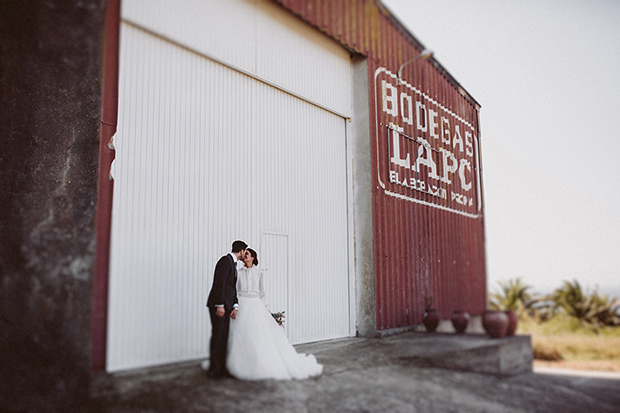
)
(257, 345)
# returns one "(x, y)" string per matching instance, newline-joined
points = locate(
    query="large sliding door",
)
(209, 152)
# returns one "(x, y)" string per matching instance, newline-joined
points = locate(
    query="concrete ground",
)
(410, 372)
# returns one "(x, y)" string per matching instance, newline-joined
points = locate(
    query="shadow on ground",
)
(392, 374)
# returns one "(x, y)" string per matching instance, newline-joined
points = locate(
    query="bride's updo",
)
(254, 255)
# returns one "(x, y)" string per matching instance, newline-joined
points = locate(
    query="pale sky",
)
(547, 74)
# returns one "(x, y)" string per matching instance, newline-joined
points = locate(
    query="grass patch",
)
(564, 338)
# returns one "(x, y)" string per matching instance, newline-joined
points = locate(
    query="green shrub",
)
(591, 309)
(513, 295)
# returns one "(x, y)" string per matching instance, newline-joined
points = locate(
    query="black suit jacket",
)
(224, 289)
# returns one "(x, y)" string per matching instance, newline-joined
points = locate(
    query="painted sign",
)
(426, 152)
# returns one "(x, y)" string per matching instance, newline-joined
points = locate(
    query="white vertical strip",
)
(180, 170)
(275, 266)
(302, 174)
(351, 226)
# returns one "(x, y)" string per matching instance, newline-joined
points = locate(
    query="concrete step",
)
(466, 352)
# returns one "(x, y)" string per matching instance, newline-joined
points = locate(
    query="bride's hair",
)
(254, 255)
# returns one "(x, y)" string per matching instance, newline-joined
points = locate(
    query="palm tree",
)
(592, 310)
(571, 299)
(513, 295)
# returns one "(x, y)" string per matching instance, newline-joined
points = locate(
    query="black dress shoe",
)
(227, 375)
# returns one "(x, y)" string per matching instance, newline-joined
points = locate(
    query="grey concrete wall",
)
(50, 64)
(362, 203)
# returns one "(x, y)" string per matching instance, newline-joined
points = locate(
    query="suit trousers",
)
(219, 342)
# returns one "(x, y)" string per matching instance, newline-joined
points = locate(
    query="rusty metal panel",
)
(427, 183)
(428, 194)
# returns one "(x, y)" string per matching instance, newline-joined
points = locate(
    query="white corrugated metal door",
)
(217, 141)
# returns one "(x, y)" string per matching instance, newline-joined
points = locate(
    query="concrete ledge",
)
(468, 352)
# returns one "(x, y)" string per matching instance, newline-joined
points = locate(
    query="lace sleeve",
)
(261, 290)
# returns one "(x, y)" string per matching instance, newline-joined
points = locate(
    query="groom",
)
(222, 303)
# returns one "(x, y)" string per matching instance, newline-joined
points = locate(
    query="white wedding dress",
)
(258, 348)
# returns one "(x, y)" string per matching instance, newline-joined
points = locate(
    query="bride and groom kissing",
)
(246, 342)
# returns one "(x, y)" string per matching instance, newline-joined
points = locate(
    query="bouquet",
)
(279, 317)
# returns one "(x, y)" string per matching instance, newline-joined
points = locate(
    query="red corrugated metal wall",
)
(427, 212)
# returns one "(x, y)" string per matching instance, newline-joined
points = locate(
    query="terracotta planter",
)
(431, 320)
(512, 322)
(495, 323)
(460, 319)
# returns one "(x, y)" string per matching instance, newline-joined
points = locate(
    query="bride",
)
(257, 346)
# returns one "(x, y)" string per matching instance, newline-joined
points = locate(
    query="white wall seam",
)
(242, 71)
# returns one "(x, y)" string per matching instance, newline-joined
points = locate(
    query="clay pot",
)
(431, 320)
(495, 323)
(460, 319)
(512, 322)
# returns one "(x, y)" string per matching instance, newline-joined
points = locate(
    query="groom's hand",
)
(219, 311)
(233, 313)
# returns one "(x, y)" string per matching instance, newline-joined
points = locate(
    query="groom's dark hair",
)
(238, 246)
